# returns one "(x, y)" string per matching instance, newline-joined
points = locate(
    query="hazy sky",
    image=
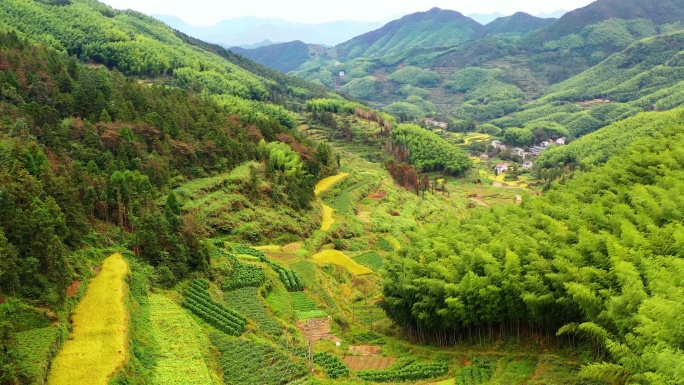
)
(207, 12)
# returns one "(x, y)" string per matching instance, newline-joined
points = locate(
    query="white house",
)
(519, 151)
(560, 141)
(342, 74)
(484, 156)
(527, 165)
(501, 167)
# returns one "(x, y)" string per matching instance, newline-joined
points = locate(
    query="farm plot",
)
(37, 347)
(305, 307)
(97, 346)
(180, 360)
(247, 302)
(337, 258)
(328, 218)
(369, 363)
(371, 260)
(248, 362)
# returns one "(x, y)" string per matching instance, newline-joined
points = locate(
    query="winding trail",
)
(328, 218)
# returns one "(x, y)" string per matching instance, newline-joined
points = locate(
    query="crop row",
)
(412, 372)
(218, 316)
(247, 302)
(244, 275)
(333, 366)
(289, 278)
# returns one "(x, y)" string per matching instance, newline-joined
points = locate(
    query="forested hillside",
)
(266, 230)
(598, 257)
(605, 50)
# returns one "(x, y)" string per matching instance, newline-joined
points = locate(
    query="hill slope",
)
(657, 11)
(519, 22)
(434, 28)
(284, 57)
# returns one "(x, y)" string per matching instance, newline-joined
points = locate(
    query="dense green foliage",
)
(247, 362)
(361, 88)
(596, 148)
(597, 256)
(199, 302)
(429, 152)
(414, 76)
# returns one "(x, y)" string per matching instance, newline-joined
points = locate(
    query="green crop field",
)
(183, 354)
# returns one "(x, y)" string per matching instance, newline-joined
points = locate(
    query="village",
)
(526, 156)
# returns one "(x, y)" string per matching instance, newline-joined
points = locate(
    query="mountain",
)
(284, 57)
(422, 30)
(659, 12)
(519, 22)
(260, 44)
(250, 30)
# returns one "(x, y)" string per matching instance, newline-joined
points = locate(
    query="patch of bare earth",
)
(378, 195)
(73, 288)
(316, 330)
(365, 350)
(369, 363)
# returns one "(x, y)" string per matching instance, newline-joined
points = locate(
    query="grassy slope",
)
(182, 345)
(97, 346)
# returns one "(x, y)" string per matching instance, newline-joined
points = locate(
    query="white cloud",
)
(207, 12)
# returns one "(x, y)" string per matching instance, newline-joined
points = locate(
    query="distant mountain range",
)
(249, 31)
(486, 18)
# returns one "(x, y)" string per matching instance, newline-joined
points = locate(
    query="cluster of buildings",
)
(432, 122)
(533, 151)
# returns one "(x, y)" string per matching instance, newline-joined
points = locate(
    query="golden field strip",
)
(97, 345)
(325, 184)
(337, 258)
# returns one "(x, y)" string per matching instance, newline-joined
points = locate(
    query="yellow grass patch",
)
(97, 345)
(268, 248)
(325, 184)
(475, 159)
(328, 219)
(292, 247)
(337, 258)
(450, 381)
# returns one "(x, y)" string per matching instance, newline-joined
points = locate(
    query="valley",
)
(477, 204)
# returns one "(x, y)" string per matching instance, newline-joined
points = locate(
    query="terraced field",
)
(326, 183)
(97, 345)
(337, 258)
(181, 342)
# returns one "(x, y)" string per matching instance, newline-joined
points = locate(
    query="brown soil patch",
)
(73, 288)
(365, 350)
(317, 329)
(285, 257)
(591, 103)
(542, 369)
(369, 363)
(479, 201)
(3, 300)
(364, 216)
(378, 195)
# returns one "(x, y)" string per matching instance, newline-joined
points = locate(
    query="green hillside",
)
(284, 57)
(434, 28)
(272, 231)
(518, 23)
